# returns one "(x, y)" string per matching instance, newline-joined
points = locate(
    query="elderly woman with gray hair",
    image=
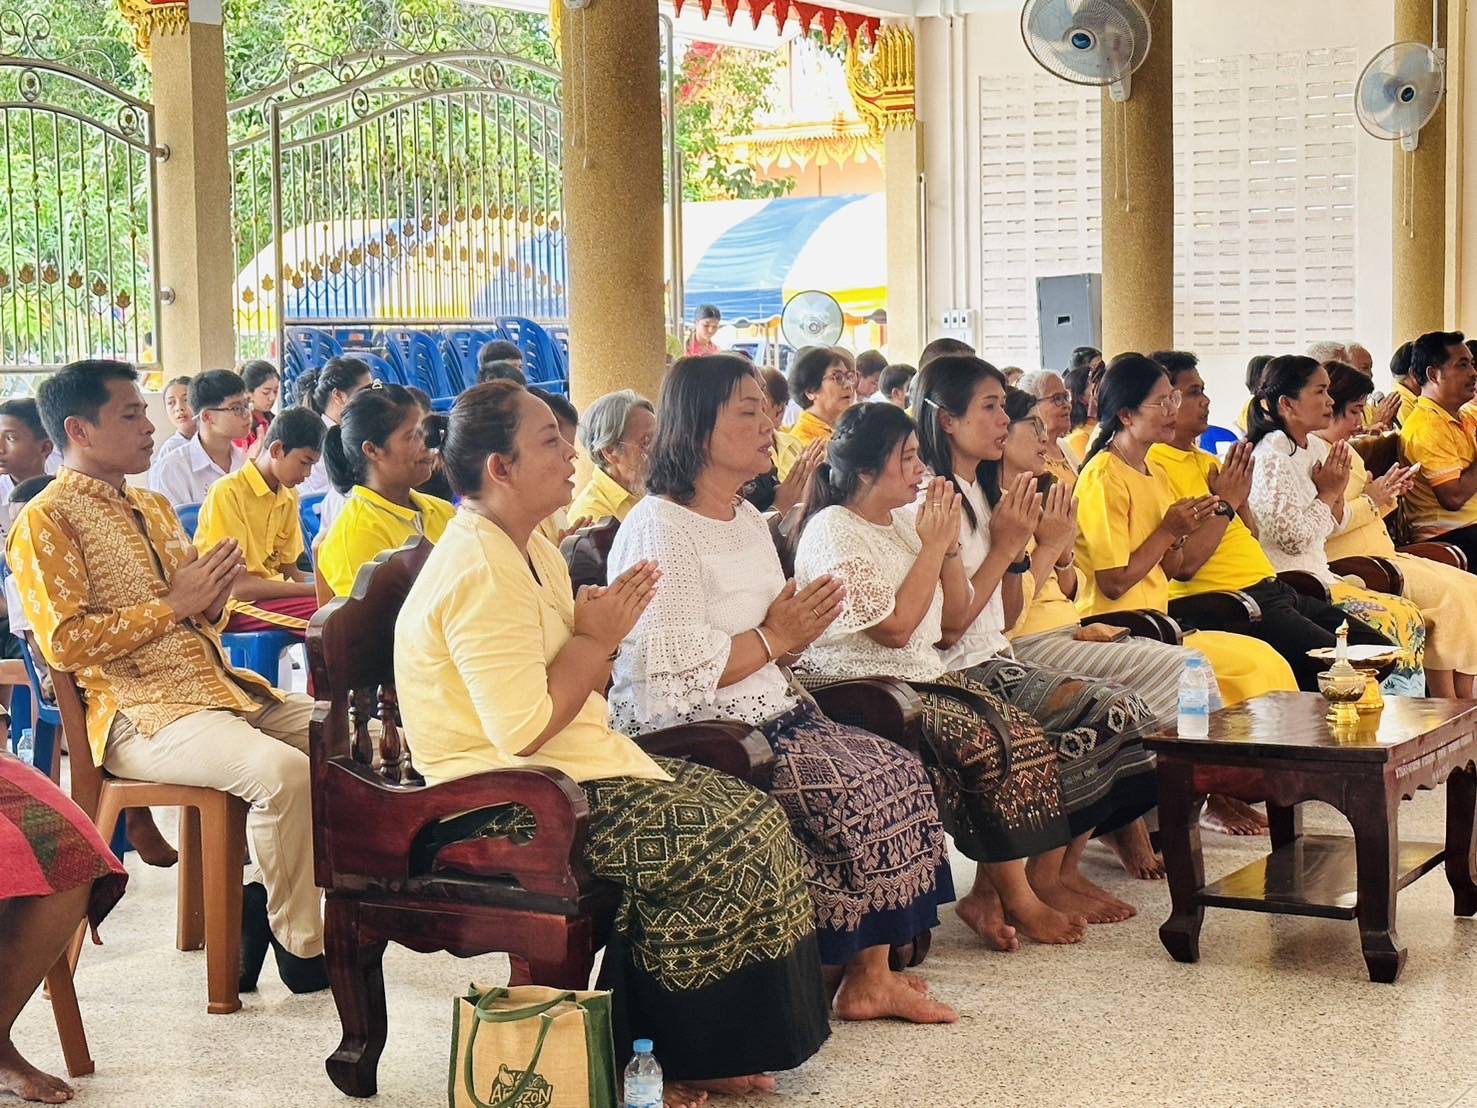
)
(1054, 410)
(616, 434)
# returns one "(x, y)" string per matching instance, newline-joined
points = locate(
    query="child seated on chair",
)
(258, 507)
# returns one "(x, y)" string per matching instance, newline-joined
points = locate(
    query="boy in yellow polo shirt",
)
(257, 506)
(1439, 436)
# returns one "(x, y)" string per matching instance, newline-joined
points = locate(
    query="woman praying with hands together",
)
(711, 646)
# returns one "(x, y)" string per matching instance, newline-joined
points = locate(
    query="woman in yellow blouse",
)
(1443, 593)
(823, 382)
(1131, 530)
(376, 456)
(616, 433)
(713, 952)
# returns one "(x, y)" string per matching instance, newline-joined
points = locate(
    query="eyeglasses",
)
(1060, 399)
(644, 447)
(1170, 404)
(842, 376)
(240, 409)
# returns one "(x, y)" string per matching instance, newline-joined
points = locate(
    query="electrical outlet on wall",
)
(958, 323)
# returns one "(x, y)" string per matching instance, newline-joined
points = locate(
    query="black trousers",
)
(1293, 624)
(1465, 539)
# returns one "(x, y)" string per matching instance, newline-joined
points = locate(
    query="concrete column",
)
(902, 168)
(1421, 217)
(1138, 201)
(613, 198)
(196, 258)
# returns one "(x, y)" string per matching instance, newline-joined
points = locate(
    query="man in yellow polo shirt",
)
(257, 506)
(1442, 439)
(1224, 554)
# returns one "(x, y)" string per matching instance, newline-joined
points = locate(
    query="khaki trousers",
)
(261, 757)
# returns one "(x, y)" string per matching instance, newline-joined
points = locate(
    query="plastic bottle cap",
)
(642, 1046)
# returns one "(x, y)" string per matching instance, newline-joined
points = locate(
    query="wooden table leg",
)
(1461, 844)
(1179, 839)
(1285, 823)
(1374, 815)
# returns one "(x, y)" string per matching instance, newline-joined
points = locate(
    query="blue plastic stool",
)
(259, 651)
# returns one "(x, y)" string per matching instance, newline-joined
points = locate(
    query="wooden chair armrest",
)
(1211, 610)
(885, 706)
(1306, 584)
(1378, 574)
(368, 828)
(1142, 623)
(725, 745)
(1442, 552)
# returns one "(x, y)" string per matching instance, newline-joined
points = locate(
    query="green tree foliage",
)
(722, 91)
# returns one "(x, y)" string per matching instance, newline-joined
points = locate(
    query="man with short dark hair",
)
(896, 384)
(1439, 436)
(502, 371)
(944, 347)
(499, 350)
(258, 507)
(222, 409)
(118, 596)
(26, 450)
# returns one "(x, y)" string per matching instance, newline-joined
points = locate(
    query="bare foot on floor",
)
(917, 984)
(1044, 924)
(985, 916)
(27, 1082)
(677, 1095)
(1118, 910)
(1230, 816)
(1135, 852)
(1074, 904)
(877, 997)
(146, 838)
(736, 1086)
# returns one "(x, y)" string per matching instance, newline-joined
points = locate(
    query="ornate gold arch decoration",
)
(154, 17)
(881, 80)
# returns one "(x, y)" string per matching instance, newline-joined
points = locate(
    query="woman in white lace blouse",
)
(967, 419)
(1297, 495)
(709, 647)
(907, 594)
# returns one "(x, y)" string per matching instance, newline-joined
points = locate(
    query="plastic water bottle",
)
(643, 1078)
(25, 747)
(1195, 689)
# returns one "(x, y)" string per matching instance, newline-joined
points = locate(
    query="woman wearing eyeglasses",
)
(823, 382)
(1297, 495)
(616, 433)
(1054, 409)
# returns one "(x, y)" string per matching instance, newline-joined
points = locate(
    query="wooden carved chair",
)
(588, 550)
(534, 899)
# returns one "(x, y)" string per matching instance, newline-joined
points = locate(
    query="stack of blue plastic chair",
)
(418, 358)
(307, 348)
(543, 360)
(460, 351)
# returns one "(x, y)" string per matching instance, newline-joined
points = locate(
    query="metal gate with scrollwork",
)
(415, 183)
(77, 225)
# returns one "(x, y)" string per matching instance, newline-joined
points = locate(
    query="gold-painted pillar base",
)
(613, 198)
(1138, 201)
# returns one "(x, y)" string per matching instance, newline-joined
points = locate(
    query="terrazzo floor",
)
(1278, 1011)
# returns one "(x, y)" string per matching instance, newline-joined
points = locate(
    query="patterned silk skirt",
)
(1095, 728)
(47, 844)
(1400, 621)
(864, 813)
(712, 955)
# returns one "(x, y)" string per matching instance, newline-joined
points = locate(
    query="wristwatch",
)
(1022, 566)
(1225, 509)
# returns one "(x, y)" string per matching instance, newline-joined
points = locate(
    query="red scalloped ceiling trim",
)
(854, 23)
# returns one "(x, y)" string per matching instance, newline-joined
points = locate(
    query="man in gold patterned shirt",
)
(118, 596)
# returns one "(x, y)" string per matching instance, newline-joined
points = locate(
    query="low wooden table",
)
(1281, 748)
